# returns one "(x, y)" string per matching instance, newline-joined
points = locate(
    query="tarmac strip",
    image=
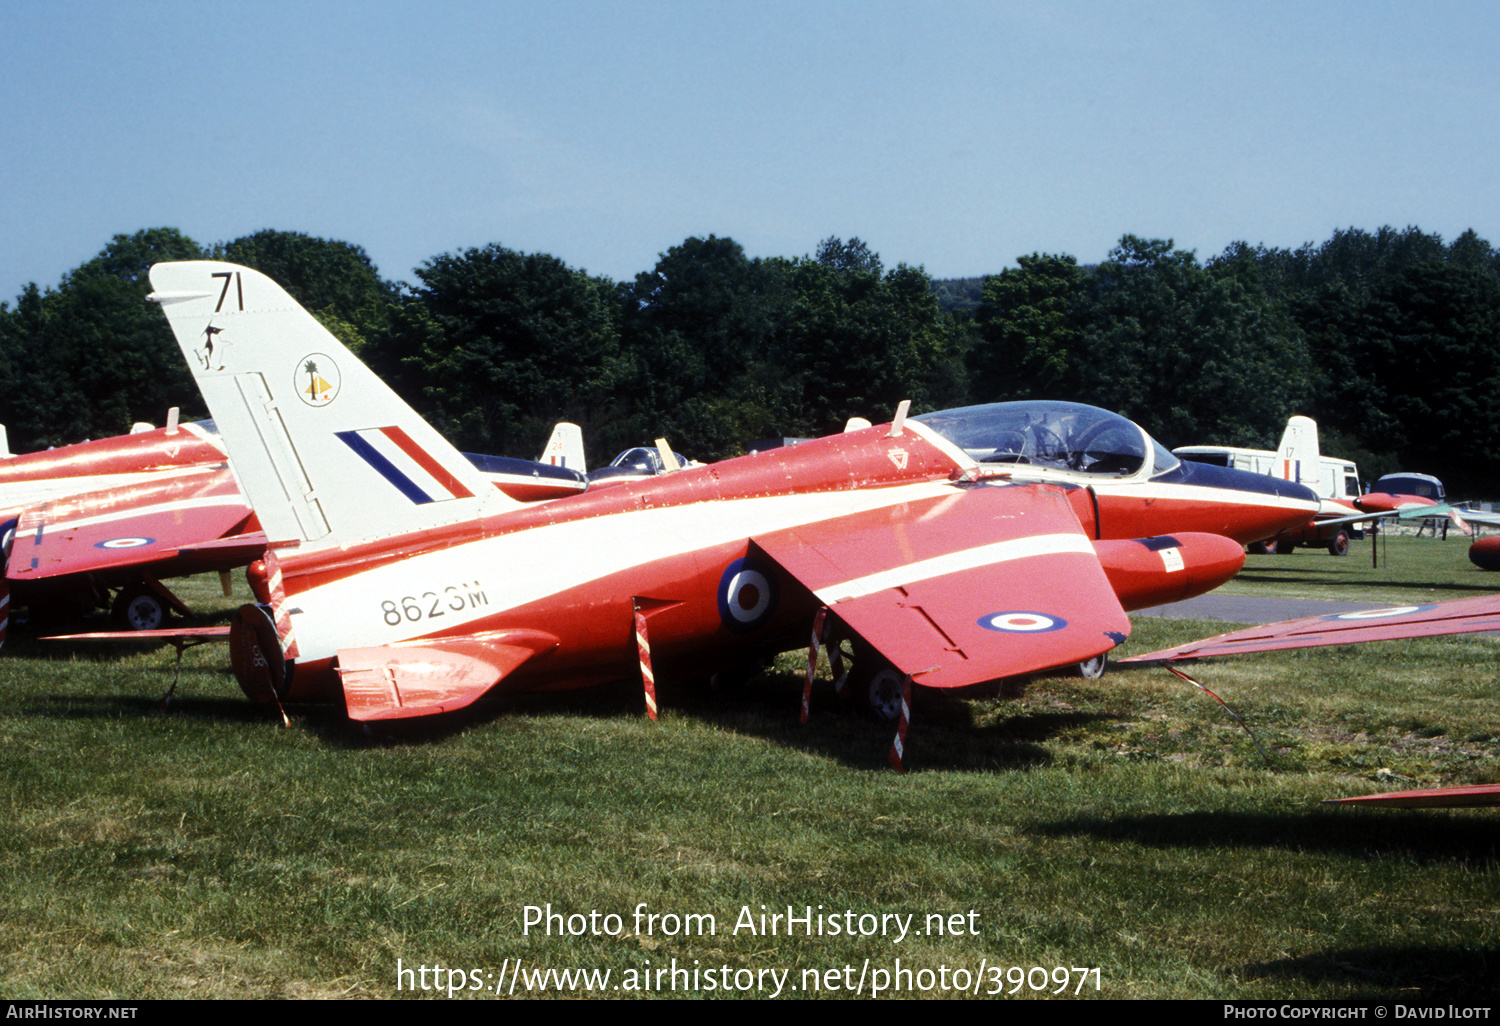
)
(1253, 609)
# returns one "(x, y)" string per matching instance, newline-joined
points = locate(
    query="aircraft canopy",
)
(1069, 437)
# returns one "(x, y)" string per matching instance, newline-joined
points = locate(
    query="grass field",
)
(1126, 825)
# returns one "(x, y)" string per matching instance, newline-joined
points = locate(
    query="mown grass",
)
(1405, 568)
(1127, 824)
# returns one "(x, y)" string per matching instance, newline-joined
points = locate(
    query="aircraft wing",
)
(189, 635)
(988, 582)
(1456, 616)
(177, 515)
(389, 682)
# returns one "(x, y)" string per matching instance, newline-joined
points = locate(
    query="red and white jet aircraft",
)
(955, 548)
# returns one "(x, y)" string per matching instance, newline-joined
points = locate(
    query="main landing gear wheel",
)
(1092, 669)
(1339, 546)
(137, 609)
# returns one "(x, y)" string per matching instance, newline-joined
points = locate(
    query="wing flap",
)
(985, 583)
(389, 682)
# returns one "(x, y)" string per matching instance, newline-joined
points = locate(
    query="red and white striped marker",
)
(643, 648)
(898, 746)
(812, 661)
(279, 611)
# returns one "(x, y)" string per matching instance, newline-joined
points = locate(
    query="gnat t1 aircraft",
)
(955, 548)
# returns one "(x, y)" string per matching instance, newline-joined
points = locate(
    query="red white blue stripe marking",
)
(391, 452)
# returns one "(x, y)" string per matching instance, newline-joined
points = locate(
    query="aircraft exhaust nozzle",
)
(1168, 568)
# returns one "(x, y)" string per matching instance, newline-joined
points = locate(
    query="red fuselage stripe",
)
(419, 455)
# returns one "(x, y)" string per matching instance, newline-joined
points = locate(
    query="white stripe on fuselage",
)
(1207, 494)
(513, 570)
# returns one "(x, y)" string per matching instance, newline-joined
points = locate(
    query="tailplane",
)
(326, 453)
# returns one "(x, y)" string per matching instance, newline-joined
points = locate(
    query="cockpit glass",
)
(1063, 436)
(1163, 459)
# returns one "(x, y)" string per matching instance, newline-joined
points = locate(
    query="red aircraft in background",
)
(951, 549)
(1457, 616)
(119, 515)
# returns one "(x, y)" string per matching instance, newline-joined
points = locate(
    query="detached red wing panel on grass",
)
(1457, 616)
(1432, 798)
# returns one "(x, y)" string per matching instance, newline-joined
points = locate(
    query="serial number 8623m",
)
(456, 598)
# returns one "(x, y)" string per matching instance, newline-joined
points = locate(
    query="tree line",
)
(1390, 340)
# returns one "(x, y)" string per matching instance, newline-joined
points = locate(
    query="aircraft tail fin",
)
(565, 448)
(326, 453)
(1297, 457)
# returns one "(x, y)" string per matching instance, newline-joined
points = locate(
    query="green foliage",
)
(498, 345)
(853, 255)
(1385, 337)
(857, 343)
(1432, 347)
(698, 328)
(335, 281)
(92, 357)
(1401, 344)
(730, 349)
(1191, 353)
(1029, 331)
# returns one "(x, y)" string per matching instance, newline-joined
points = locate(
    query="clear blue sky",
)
(954, 135)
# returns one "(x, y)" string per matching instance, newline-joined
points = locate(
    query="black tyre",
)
(1093, 669)
(138, 609)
